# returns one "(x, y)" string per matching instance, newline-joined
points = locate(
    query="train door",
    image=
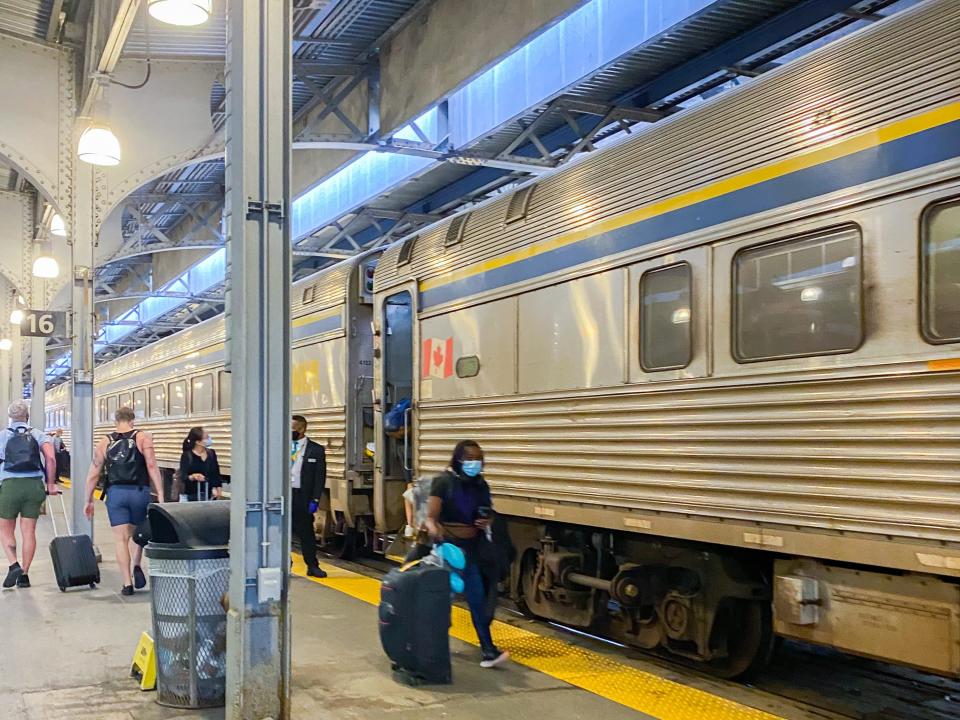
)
(395, 453)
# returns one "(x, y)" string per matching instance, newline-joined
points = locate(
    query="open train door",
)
(395, 398)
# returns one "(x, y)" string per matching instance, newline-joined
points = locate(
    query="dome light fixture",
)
(16, 317)
(99, 146)
(180, 12)
(46, 267)
(6, 344)
(57, 226)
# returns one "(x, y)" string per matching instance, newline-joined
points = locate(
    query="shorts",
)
(23, 496)
(127, 504)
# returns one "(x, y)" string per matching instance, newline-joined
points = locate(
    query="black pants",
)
(302, 525)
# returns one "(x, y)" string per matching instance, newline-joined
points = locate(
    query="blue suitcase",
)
(74, 559)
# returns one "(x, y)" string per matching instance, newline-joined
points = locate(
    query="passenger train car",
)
(714, 368)
(181, 382)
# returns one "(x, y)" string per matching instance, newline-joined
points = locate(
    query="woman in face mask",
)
(459, 510)
(199, 469)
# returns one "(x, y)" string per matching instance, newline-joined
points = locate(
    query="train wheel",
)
(746, 627)
(525, 587)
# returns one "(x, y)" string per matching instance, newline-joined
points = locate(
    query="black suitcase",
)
(74, 560)
(415, 623)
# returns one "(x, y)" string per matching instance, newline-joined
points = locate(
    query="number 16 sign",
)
(43, 323)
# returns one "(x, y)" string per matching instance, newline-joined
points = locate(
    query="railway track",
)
(806, 682)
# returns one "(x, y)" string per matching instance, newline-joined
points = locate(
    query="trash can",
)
(189, 575)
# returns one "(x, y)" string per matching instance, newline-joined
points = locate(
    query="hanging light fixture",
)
(57, 226)
(6, 344)
(46, 266)
(99, 146)
(180, 12)
(16, 317)
(22, 300)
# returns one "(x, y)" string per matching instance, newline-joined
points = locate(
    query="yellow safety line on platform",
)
(585, 669)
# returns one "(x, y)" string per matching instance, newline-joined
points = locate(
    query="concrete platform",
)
(68, 656)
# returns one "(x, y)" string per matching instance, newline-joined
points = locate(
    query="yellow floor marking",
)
(591, 671)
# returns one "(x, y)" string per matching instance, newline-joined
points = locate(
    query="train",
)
(714, 367)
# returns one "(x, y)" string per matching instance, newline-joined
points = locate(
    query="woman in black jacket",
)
(199, 470)
(460, 511)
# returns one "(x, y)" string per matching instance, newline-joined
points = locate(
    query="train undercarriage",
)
(711, 606)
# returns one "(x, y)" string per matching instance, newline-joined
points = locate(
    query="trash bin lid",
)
(189, 530)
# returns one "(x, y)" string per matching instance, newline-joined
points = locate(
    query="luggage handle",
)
(66, 518)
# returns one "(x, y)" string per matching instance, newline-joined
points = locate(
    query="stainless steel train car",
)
(181, 381)
(715, 368)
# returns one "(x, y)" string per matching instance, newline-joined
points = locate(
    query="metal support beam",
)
(258, 221)
(798, 18)
(81, 416)
(38, 359)
(110, 53)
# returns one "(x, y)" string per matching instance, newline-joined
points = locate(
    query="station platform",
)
(68, 656)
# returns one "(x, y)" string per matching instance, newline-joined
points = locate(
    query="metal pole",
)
(16, 363)
(5, 358)
(257, 212)
(38, 360)
(81, 412)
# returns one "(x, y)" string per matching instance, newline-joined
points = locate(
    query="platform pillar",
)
(258, 332)
(38, 359)
(81, 402)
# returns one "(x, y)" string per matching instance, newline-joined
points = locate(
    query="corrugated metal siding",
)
(28, 18)
(329, 287)
(865, 80)
(176, 346)
(206, 40)
(872, 455)
(169, 434)
(329, 428)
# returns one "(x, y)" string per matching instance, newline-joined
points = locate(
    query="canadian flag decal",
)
(437, 359)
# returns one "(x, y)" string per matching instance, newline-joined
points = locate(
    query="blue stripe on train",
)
(902, 155)
(317, 327)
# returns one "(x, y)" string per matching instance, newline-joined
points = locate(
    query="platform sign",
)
(43, 323)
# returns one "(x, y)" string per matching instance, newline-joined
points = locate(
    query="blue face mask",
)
(472, 468)
(208, 441)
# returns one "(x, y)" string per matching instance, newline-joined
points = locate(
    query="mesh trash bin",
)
(189, 574)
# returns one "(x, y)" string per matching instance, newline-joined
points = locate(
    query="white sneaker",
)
(494, 660)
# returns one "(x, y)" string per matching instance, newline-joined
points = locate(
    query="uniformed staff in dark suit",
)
(308, 478)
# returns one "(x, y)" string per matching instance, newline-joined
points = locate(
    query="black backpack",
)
(22, 454)
(124, 463)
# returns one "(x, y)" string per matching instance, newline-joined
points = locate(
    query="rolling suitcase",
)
(74, 559)
(415, 623)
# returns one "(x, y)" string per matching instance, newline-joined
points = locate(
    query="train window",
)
(158, 401)
(941, 268)
(111, 407)
(225, 391)
(177, 394)
(666, 342)
(799, 297)
(102, 409)
(201, 390)
(125, 400)
(140, 403)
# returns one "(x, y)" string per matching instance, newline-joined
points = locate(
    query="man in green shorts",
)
(28, 471)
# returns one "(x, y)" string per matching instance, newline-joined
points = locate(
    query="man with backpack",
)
(128, 458)
(28, 473)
